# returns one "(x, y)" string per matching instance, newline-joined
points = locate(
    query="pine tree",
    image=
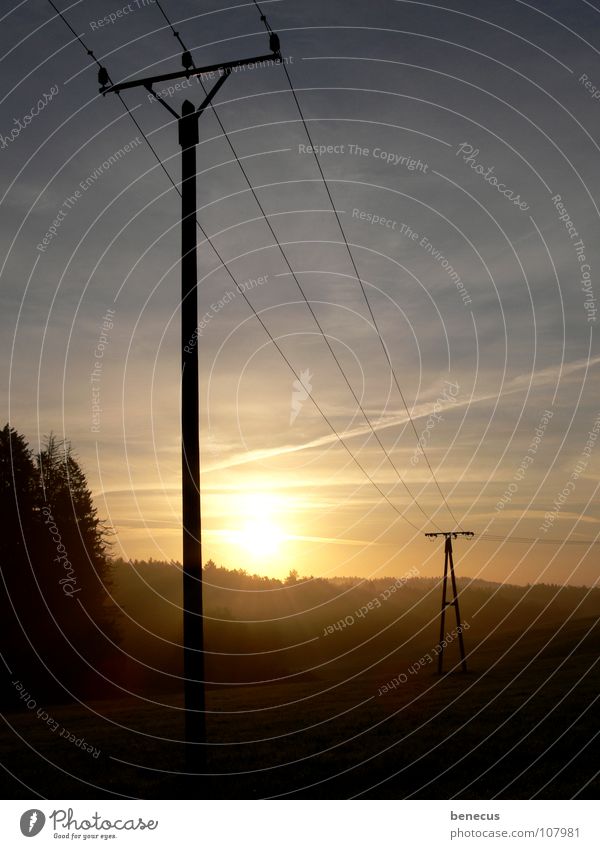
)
(89, 625)
(22, 555)
(65, 490)
(61, 624)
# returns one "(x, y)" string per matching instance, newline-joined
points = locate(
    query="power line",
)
(127, 109)
(294, 274)
(228, 270)
(358, 277)
(547, 541)
(371, 313)
(485, 537)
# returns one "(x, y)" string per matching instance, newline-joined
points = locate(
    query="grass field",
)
(519, 723)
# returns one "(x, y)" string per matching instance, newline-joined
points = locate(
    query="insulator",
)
(274, 43)
(103, 78)
(186, 60)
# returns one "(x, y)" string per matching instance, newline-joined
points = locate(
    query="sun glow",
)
(260, 534)
(261, 538)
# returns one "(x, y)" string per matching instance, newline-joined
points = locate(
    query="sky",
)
(459, 142)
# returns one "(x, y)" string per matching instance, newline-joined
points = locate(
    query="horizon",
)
(300, 578)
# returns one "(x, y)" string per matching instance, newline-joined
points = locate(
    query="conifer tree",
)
(55, 593)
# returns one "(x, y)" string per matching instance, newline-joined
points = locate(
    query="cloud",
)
(543, 377)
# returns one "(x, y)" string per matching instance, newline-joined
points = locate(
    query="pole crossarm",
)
(222, 68)
(206, 102)
(453, 534)
(160, 99)
(189, 112)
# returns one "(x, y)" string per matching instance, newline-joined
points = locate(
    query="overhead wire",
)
(238, 287)
(484, 536)
(295, 276)
(546, 540)
(263, 18)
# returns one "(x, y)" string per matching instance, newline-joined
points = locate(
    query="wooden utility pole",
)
(193, 623)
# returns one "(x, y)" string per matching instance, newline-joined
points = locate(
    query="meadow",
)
(304, 711)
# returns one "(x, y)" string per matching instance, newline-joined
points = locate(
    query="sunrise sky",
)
(470, 130)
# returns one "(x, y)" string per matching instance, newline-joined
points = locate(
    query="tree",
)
(66, 493)
(18, 493)
(56, 570)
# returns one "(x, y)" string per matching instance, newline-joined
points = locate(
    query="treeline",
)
(58, 624)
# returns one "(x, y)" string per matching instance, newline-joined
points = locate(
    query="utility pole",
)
(193, 623)
(449, 563)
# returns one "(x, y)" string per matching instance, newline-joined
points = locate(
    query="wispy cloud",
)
(229, 533)
(544, 377)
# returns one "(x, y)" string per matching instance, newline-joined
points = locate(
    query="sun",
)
(261, 538)
(259, 533)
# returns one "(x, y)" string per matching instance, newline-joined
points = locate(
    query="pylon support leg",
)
(443, 612)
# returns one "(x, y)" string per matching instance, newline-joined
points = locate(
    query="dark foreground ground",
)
(517, 726)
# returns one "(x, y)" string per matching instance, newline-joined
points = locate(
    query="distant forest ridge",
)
(243, 577)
